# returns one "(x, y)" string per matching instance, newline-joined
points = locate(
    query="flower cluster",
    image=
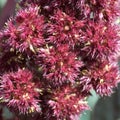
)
(53, 52)
(19, 91)
(59, 64)
(67, 103)
(24, 32)
(101, 41)
(64, 29)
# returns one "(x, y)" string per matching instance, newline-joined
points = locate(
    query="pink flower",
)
(25, 31)
(18, 91)
(66, 104)
(63, 49)
(59, 64)
(64, 29)
(102, 41)
(104, 79)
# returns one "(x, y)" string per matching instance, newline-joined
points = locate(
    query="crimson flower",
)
(25, 31)
(19, 91)
(102, 41)
(53, 52)
(64, 29)
(66, 104)
(106, 77)
(59, 64)
(108, 81)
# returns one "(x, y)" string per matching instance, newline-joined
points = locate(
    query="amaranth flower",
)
(25, 31)
(19, 91)
(59, 64)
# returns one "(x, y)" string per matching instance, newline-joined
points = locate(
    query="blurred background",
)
(106, 108)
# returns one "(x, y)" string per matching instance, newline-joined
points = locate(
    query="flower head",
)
(66, 104)
(18, 91)
(102, 41)
(59, 64)
(104, 79)
(25, 31)
(63, 49)
(64, 29)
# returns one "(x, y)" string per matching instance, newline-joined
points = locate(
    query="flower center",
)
(66, 28)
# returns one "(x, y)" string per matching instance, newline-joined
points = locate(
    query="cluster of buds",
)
(54, 52)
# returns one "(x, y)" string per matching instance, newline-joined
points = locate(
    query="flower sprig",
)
(52, 53)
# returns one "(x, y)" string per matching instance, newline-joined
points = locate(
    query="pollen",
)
(33, 28)
(107, 68)
(76, 35)
(101, 80)
(54, 33)
(104, 29)
(61, 64)
(31, 110)
(66, 28)
(88, 43)
(62, 19)
(26, 96)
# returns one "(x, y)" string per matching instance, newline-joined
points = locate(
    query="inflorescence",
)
(54, 52)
